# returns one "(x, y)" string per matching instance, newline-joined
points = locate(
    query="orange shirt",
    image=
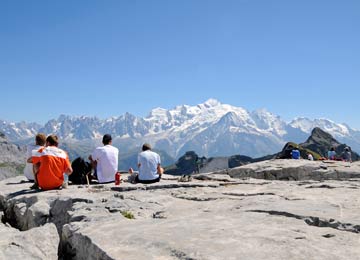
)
(53, 163)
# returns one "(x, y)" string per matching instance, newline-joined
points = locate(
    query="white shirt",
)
(107, 162)
(28, 170)
(149, 162)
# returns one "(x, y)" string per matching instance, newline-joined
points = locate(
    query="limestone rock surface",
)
(288, 169)
(37, 243)
(222, 215)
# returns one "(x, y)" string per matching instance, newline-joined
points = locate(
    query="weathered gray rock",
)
(37, 243)
(213, 216)
(288, 169)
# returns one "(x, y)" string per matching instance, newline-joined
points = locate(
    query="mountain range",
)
(209, 129)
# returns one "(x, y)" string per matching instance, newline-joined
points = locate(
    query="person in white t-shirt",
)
(149, 165)
(30, 151)
(105, 160)
(310, 157)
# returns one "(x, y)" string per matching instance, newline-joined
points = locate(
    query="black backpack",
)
(81, 169)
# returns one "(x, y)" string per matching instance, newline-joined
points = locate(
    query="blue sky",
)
(105, 58)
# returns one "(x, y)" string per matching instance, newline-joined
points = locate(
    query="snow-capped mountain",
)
(18, 131)
(210, 129)
(306, 125)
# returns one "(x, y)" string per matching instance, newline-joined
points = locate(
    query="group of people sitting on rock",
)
(47, 164)
(292, 152)
(344, 156)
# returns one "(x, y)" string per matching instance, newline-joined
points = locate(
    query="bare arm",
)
(92, 162)
(160, 170)
(69, 170)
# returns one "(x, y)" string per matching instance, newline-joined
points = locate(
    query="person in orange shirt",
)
(52, 163)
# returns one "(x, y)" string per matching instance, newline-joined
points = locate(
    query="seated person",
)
(310, 157)
(331, 154)
(346, 155)
(295, 154)
(53, 163)
(149, 165)
(104, 160)
(29, 169)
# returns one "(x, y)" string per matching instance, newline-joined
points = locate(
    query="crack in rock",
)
(87, 201)
(328, 235)
(14, 244)
(286, 198)
(314, 221)
(230, 183)
(113, 209)
(258, 194)
(164, 186)
(323, 186)
(248, 194)
(302, 183)
(184, 197)
(159, 214)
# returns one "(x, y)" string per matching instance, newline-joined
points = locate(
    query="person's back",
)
(332, 154)
(346, 155)
(295, 154)
(310, 157)
(106, 160)
(149, 161)
(54, 162)
(30, 151)
(149, 165)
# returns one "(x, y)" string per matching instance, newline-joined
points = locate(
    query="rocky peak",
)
(321, 142)
(319, 136)
(211, 102)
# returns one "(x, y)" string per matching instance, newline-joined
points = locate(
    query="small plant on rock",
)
(128, 214)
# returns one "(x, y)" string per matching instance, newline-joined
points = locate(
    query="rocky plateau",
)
(276, 209)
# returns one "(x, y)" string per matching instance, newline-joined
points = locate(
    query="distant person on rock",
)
(29, 169)
(346, 155)
(104, 160)
(149, 165)
(310, 157)
(295, 154)
(331, 154)
(53, 163)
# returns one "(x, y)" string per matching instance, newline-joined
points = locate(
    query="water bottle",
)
(117, 178)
